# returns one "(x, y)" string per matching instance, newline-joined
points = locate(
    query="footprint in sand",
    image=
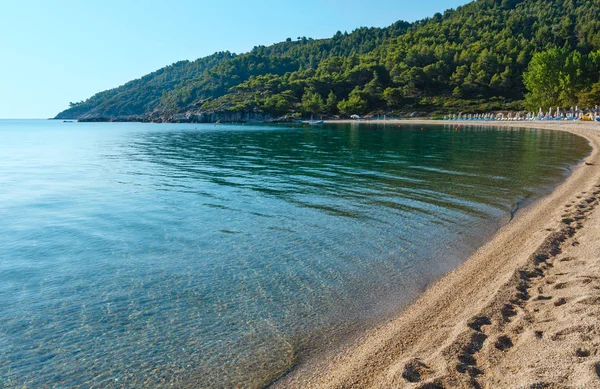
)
(539, 334)
(503, 343)
(431, 385)
(587, 280)
(560, 285)
(415, 370)
(479, 321)
(590, 300)
(508, 311)
(579, 330)
(566, 259)
(560, 301)
(567, 220)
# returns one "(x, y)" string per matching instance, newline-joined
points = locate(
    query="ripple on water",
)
(144, 255)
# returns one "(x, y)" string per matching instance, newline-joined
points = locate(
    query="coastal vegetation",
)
(486, 55)
(563, 77)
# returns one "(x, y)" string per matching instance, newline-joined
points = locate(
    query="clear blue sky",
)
(53, 52)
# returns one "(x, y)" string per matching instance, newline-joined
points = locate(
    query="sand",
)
(522, 312)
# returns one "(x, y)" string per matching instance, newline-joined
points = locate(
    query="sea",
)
(141, 255)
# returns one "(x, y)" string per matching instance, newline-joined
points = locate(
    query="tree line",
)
(486, 55)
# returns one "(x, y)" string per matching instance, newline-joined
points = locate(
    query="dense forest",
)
(486, 55)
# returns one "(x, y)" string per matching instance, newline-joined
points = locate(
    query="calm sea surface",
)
(146, 255)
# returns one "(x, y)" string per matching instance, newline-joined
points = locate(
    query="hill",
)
(470, 59)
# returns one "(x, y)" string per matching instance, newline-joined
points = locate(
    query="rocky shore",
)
(182, 117)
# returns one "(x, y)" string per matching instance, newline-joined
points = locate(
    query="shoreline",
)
(473, 327)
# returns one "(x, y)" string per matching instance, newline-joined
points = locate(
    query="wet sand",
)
(522, 312)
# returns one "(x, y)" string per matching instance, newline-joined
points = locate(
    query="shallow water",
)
(145, 255)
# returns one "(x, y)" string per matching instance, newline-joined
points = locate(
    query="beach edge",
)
(439, 339)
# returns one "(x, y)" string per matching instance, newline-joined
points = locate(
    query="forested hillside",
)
(143, 95)
(473, 58)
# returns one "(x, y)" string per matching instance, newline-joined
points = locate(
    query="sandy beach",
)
(522, 312)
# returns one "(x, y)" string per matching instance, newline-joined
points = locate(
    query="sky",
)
(53, 52)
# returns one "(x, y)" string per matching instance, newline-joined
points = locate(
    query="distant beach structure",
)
(588, 115)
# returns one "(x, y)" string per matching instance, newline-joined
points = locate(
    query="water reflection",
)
(215, 257)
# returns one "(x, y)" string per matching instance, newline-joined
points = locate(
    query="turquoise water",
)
(151, 255)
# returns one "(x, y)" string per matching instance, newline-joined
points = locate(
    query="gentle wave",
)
(144, 255)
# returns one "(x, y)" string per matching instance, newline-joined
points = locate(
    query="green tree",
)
(469, 59)
(312, 102)
(393, 97)
(331, 102)
(280, 103)
(353, 105)
(543, 79)
(590, 98)
(554, 77)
